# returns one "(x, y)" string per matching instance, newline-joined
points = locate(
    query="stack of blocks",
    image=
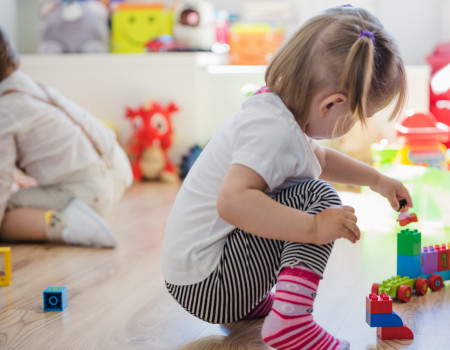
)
(436, 259)
(409, 253)
(379, 314)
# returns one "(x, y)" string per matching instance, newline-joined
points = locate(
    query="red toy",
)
(405, 217)
(439, 61)
(152, 139)
(379, 314)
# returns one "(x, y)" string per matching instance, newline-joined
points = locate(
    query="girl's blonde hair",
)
(9, 59)
(346, 48)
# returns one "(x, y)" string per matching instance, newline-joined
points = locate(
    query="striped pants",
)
(249, 265)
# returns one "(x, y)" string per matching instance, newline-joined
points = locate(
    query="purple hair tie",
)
(347, 5)
(368, 34)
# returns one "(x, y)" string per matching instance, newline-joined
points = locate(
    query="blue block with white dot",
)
(55, 298)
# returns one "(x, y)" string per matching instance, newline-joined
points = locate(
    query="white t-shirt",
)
(263, 136)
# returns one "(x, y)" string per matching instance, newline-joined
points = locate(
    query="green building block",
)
(391, 285)
(409, 242)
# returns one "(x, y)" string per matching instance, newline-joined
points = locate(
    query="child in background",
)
(252, 212)
(73, 169)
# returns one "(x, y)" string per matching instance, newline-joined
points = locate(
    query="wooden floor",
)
(117, 298)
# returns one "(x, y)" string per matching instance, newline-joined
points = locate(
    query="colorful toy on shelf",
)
(55, 298)
(423, 140)
(384, 153)
(133, 25)
(194, 25)
(405, 217)
(253, 43)
(439, 61)
(5, 276)
(379, 314)
(73, 27)
(164, 43)
(151, 140)
(416, 270)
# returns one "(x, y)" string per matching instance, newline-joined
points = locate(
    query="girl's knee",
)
(311, 195)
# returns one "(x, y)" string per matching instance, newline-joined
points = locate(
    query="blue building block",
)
(445, 275)
(383, 320)
(55, 298)
(409, 265)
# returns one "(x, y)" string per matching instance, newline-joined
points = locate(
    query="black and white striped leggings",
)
(249, 265)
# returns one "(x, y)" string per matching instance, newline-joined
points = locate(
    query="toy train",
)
(417, 270)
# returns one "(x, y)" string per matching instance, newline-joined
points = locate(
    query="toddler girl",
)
(78, 167)
(252, 212)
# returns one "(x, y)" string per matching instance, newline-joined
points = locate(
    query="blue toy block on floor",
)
(383, 320)
(55, 298)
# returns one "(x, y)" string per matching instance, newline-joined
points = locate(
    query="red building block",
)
(443, 257)
(379, 304)
(389, 333)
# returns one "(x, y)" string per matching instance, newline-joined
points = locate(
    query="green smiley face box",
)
(133, 25)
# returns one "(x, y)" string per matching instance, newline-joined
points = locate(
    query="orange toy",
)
(253, 44)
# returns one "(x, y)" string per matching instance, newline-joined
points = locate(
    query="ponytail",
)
(358, 74)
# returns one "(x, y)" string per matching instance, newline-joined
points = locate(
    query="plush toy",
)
(151, 140)
(73, 27)
(194, 25)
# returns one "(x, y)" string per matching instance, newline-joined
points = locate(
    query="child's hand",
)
(23, 180)
(393, 190)
(336, 222)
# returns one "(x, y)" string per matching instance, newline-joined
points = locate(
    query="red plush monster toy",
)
(152, 138)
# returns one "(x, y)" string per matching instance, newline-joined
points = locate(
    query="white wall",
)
(206, 93)
(8, 13)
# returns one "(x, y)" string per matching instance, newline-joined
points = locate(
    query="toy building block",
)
(391, 285)
(409, 265)
(443, 257)
(429, 260)
(55, 298)
(378, 304)
(5, 276)
(383, 320)
(391, 333)
(409, 242)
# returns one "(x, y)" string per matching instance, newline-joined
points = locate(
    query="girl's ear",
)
(330, 102)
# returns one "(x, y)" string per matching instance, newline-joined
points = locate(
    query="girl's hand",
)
(393, 190)
(336, 222)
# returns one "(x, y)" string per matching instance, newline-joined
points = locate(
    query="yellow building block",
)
(133, 25)
(5, 276)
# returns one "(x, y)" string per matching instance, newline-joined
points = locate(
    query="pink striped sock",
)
(262, 309)
(290, 325)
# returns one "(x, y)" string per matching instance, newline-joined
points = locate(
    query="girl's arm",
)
(340, 168)
(242, 203)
